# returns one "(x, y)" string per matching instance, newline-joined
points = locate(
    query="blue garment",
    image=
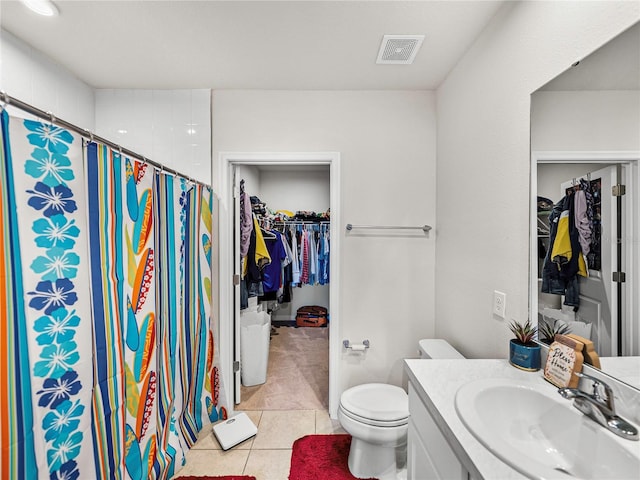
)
(271, 274)
(323, 261)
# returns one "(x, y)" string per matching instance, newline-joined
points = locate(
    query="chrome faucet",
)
(598, 405)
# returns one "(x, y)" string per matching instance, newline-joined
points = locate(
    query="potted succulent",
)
(550, 328)
(524, 352)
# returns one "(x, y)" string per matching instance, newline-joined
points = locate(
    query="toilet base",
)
(367, 460)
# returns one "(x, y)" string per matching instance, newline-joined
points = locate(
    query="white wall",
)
(551, 175)
(171, 127)
(296, 190)
(251, 176)
(585, 121)
(30, 76)
(483, 160)
(387, 145)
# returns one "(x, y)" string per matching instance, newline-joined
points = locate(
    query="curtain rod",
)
(12, 101)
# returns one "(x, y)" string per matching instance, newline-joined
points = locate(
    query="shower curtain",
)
(107, 365)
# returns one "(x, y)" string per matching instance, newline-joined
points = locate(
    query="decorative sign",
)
(589, 351)
(564, 358)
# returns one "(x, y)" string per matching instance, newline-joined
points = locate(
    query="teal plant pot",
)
(524, 357)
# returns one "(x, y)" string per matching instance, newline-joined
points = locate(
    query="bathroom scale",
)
(235, 430)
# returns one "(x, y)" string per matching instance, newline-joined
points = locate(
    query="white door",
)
(598, 293)
(236, 286)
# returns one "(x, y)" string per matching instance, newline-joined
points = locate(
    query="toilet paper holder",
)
(355, 347)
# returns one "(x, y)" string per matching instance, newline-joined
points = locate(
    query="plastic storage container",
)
(255, 329)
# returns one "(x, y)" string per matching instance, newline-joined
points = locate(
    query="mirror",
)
(585, 140)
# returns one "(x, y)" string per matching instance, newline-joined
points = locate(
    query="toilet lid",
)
(376, 401)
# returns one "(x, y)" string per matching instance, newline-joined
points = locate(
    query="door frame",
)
(630, 159)
(228, 161)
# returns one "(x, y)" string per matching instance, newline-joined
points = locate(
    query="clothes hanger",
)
(265, 229)
(268, 235)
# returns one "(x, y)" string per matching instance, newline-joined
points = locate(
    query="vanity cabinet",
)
(429, 456)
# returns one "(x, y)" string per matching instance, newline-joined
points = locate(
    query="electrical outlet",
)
(499, 303)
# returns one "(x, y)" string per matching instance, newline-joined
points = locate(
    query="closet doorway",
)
(286, 341)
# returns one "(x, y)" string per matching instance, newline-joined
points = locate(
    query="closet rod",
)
(424, 228)
(12, 101)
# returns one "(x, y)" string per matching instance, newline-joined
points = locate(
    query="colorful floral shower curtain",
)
(107, 367)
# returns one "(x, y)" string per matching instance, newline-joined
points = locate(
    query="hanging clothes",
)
(272, 272)
(313, 257)
(583, 222)
(269, 274)
(310, 247)
(564, 260)
(262, 252)
(253, 265)
(284, 292)
(323, 258)
(246, 221)
(295, 264)
(304, 268)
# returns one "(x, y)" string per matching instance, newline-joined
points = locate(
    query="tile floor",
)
(291, 404)
(267, 456)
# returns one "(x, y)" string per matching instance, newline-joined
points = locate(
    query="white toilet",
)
(376, 415)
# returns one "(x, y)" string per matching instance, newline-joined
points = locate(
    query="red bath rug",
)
(321, 457)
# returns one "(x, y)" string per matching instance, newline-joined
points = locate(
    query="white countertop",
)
(437, 381)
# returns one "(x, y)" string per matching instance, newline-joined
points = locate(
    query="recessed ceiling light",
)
(42, 7)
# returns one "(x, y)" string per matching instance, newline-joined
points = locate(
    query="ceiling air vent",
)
(399, 49)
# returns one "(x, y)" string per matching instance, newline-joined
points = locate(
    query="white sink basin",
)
(529, 426)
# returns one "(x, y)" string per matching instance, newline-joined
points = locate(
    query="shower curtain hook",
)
(5, 98)
(52, 118)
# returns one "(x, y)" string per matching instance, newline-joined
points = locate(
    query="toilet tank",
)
(437, 348)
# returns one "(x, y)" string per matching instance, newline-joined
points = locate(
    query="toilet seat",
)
(376, 404)
(371, 422)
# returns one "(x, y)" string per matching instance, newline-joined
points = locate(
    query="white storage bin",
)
(255, 329)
